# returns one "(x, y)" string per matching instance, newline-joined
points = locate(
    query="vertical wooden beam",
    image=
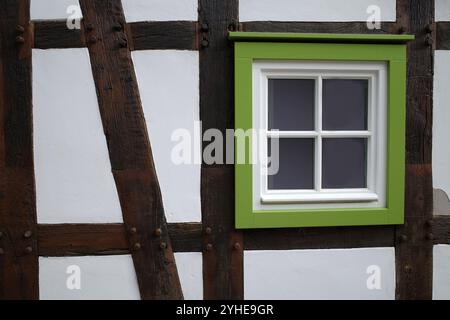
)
(129, 149)
(414, 240)
(18, 258)
(223, 245)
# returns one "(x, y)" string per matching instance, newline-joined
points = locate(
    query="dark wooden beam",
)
(223, 256)
(319, 238)
(55, 34)
(414, 245)
(129, 148)
(443, 35)
(319, 27)
(18, 254)
(441, 229)
(180, 35)
(61, 240)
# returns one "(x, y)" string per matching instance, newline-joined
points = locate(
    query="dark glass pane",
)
(344, 104)
(296, 164)
(291, 104)
(344, 163)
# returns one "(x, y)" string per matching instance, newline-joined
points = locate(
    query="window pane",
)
(345, 104)
(344, 163)
(296, 164)
(291, 104)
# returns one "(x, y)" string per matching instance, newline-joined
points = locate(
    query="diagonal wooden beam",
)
(129, 149)
(18, 257)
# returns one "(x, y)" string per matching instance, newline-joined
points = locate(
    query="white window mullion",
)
(318, 153)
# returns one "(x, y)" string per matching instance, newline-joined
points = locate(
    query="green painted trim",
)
(319, 37)
(395, 56)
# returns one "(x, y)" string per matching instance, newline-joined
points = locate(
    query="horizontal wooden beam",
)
(54, 34)
(56, 240)
(180, 35)
(319, 238)
(443, 35)
(319, 27)
(441, 230)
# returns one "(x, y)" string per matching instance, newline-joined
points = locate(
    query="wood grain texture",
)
(316, 27)
(443, 35)
(414, 254)
(62, 240)
(223, 256)
(179, 35)
(18, 258)
(129, 149)
(55, 34)
(441, 229)
(319, 238)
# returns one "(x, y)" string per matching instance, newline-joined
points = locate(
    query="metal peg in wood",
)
(158, 232)
(403, 238)
(163, 245)
(89, 27)
(123, 43)
(28, 250)
(205, 27)
(408, 268)
(27, 234)
(205, 43)
(20, 39)
(137, 246)
(117, 27)
(133, 230)
(237, 246)
(20, 29)
(209, 247)
(208, 230)
(428, 40)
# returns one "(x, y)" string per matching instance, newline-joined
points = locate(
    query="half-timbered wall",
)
(182, 67)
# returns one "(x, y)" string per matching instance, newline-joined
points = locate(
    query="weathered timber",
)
(129, 149)
(18, 257)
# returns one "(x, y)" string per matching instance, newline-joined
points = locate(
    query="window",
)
(330, 117)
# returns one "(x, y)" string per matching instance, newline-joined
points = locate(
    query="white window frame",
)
(375, 193)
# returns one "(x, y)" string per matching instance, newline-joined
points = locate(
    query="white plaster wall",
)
(441, 119)
(160, 10)
(318, 274)
(317, 10)
(53, 9)
(111, 277)
(189, 265)
(442, 8)
(74, 183)
(102, 278)
(441, 272)
(169, 87)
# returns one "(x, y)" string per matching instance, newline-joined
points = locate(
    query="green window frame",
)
(391, 49)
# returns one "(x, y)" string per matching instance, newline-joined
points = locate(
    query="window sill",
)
(318, 197)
